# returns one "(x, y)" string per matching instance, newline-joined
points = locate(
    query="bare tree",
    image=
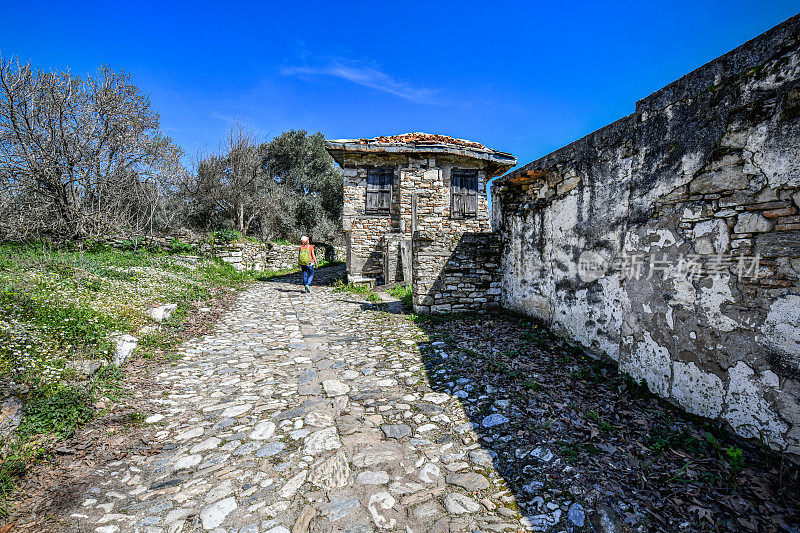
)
(245, 176)
(80, 156)
(231, 185)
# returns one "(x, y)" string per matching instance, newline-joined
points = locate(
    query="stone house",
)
(396, 185)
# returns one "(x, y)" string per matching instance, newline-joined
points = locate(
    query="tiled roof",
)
(424, 138)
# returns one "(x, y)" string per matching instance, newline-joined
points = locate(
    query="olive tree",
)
(286, 187)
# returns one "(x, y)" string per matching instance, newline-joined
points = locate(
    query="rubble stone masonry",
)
(424, 181)
(456, 273)
(670, 240)
(261, 256)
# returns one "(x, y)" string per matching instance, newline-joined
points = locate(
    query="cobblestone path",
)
(302, 413)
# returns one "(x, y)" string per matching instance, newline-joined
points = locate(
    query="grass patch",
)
(59, 412)
(358, 290)
(271, 274)
(404, 294)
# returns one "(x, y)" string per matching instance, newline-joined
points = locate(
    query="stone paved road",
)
(302, 413)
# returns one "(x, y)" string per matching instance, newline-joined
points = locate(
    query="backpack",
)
(304, 257)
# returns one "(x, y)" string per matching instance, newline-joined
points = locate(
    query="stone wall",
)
(260, 256)
(455, 273)
(670, 240)
(421, 195)
(365, 231)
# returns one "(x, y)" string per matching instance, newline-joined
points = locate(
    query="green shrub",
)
(226, 235)
(176, 246)
(735, 458)
(131, 244)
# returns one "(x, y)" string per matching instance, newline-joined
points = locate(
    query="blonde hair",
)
(304, 239)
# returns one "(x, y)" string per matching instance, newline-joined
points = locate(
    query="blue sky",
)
(522, 77)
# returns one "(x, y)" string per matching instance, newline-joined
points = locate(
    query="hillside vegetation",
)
(60, 310)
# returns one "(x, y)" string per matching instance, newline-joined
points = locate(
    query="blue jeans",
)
(308, 274)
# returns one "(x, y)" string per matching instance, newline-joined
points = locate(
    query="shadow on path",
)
(324, 276)
(585, 447)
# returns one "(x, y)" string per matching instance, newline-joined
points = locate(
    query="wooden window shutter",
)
(464, 193)
(379, 190)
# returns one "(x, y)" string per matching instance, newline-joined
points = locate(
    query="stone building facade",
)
(670, 240)
(396, 187)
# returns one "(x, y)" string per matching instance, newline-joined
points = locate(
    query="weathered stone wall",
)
(455, 273)
(705, 172)
(423, 182)
(260, 256)
(365, 231)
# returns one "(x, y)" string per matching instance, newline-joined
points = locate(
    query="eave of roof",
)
(431, 144)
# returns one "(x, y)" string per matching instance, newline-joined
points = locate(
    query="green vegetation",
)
(286, 187)
(404, 294)
(59, 411)
(735, 458)
(225, 236)
(60, 307)
(272, 274)
(358, 290)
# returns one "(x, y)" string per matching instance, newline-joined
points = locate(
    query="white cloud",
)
(367, 77)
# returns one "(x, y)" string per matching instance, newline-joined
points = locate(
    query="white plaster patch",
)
(781, 328)
(631, 243)
(711, 300)
(691, 163)
(748, 412)
(565, 216)
(591, 325)
(613, 296)
(651, 362)
(704, 228)
(665, 238)
(773, 159)
(696, 391)
(684, 294)
(752, 223)
(717, 232)
(692, 213)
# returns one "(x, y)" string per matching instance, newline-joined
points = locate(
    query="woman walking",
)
(307, 261)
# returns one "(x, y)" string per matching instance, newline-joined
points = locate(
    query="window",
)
(464, 193)
(379, 190)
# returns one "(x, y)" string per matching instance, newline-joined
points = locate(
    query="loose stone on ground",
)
(302, 413)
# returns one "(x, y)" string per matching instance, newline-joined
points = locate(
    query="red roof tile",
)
(424, 138)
